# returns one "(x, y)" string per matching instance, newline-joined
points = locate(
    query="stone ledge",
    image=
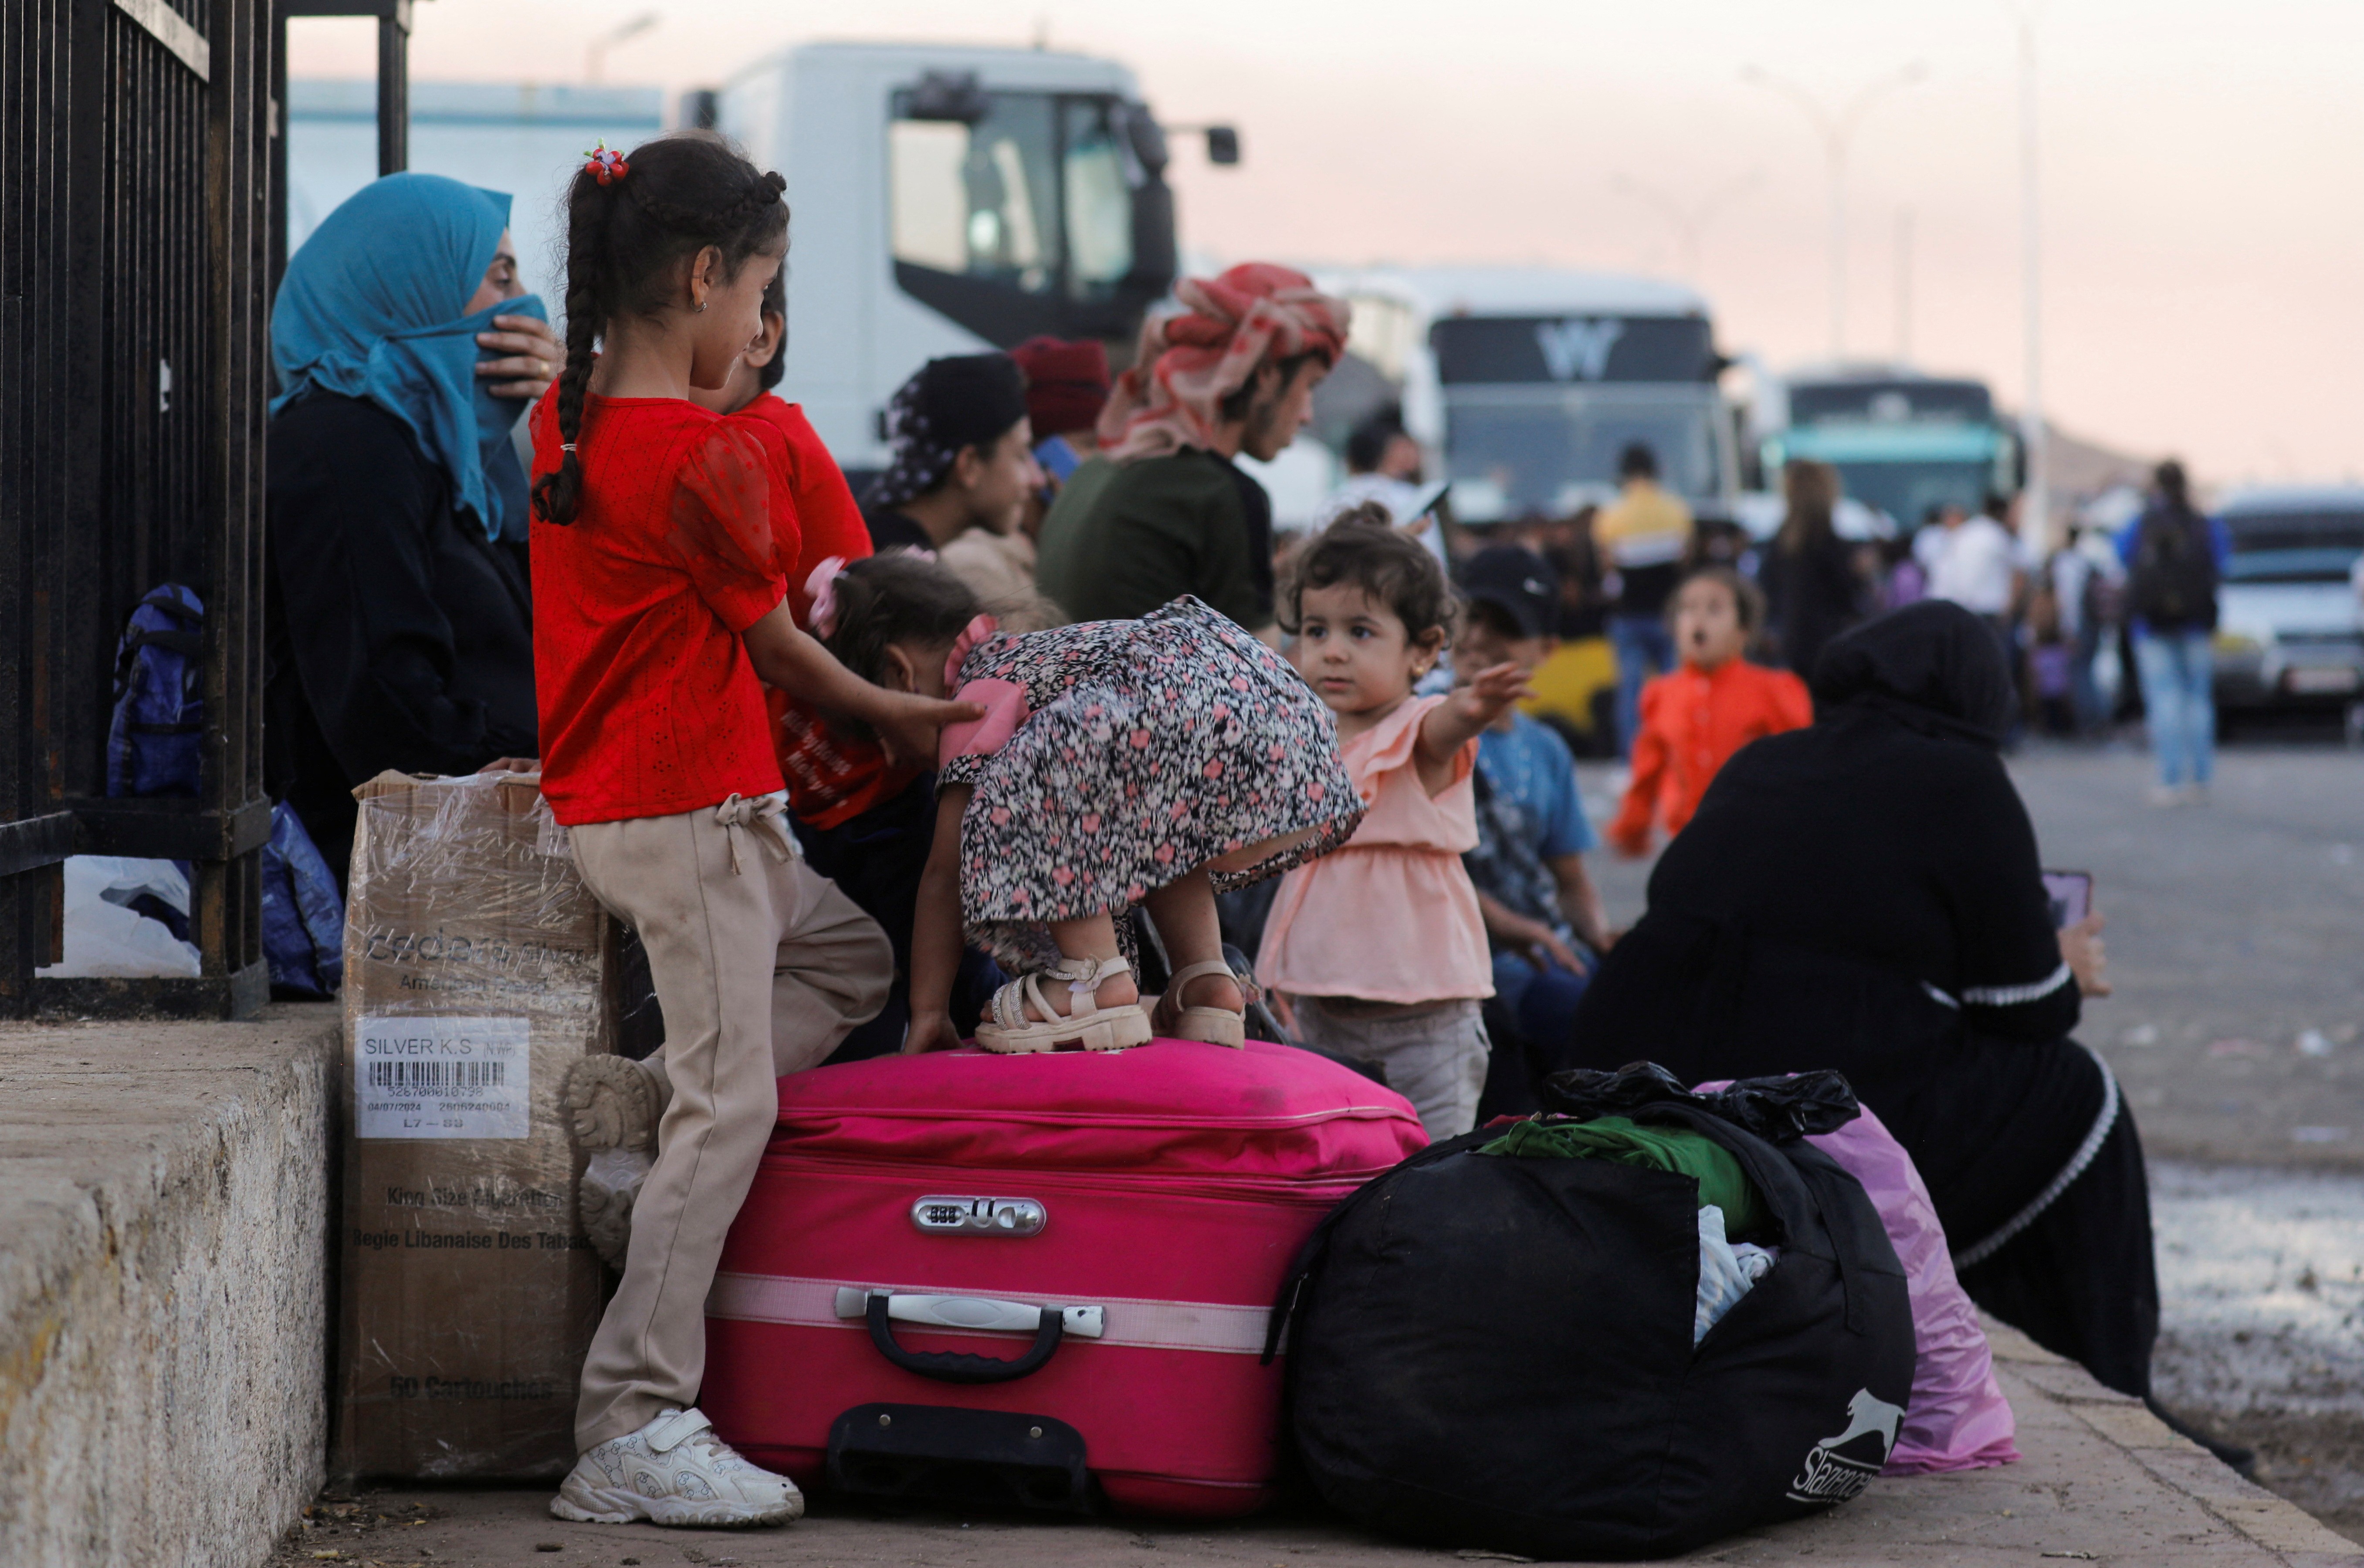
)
(2175, 1461)
(163, 1235)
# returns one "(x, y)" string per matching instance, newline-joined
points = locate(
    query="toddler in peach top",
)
(1378, 948)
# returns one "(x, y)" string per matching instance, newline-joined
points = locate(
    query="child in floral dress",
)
(1153, 762)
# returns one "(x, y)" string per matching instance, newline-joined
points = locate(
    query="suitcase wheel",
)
(937, 1453)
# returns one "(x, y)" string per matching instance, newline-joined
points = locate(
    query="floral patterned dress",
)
(1146, 748)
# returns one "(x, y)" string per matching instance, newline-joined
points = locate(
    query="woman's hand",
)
(2081, 948)
(512, 765)
(930, 1031)
(534, 357)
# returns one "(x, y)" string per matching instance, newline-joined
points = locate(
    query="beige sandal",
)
(1100, 1028)
(1215, 1026)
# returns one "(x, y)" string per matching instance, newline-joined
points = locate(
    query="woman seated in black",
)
(1864, 894)
(398, 616)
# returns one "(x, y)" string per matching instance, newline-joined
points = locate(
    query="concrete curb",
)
(164, 1202)
(2273, 1523)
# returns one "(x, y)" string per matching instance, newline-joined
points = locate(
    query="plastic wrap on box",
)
(477, 967)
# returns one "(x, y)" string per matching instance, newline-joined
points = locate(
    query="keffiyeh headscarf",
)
(949, 405)
(1190, 362)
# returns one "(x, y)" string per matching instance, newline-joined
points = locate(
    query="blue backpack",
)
(155, 747)
(155, 739)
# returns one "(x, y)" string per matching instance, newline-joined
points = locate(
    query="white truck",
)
(1525, 384)
(947, 200)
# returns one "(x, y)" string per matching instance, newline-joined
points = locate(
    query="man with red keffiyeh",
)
(1164, 510)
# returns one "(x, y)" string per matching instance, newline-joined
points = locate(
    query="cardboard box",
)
(477, 967)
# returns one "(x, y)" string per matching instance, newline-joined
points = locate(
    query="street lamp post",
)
(2035, 507)
(595, 53)
(1690, 221)
(1836, 131)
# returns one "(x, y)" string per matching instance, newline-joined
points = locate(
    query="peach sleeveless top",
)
(1392, 916)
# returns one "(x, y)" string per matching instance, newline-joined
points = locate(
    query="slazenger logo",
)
(1830, 1476)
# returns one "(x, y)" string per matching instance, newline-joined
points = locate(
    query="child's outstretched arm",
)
(1629, 835)
(936, 930)
(907, 723)
(1461, 717)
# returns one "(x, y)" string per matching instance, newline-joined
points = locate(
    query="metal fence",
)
(135, 162)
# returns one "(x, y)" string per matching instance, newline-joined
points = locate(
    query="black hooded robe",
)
(1864, 894)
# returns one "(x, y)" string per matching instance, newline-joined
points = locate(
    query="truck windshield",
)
(2295, 547)
(1554, 458)
(1036, 195)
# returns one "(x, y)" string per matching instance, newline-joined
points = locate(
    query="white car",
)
(2288, 631)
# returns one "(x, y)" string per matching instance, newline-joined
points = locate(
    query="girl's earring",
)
(700, 307)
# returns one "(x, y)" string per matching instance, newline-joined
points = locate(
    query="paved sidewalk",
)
(2103, 1481)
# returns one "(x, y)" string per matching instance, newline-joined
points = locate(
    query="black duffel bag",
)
(1496, 1352)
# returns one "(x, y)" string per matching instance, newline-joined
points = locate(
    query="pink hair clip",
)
(977, 631)
(603, 164)
(820, 589)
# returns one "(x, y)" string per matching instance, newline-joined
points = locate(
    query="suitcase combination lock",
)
(943, 1214)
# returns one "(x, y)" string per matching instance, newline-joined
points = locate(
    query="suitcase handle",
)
(958, 1367)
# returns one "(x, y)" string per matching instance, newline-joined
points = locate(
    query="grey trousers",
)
(1435, 1057)
(760, 966)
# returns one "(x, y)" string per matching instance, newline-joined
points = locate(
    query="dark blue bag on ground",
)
(303, 917)
(154, 747)
(155, 736)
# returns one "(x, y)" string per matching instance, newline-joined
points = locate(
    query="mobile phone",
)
(1426, 502)
(2072, 893)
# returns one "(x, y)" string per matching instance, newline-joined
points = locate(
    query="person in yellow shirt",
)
(1645, 537)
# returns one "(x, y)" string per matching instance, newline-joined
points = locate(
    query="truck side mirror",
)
(946, 96)
(1223, 144)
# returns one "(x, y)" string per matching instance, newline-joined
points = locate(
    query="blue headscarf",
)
(371, 308)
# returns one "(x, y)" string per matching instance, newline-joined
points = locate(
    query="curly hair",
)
(1362, 547)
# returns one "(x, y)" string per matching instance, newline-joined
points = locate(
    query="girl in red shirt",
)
(661, 614)
(1712, 702)
(863, 822)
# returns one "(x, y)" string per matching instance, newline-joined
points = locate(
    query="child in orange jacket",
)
(1713, 703)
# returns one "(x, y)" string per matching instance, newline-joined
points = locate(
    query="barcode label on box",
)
(443, 1078)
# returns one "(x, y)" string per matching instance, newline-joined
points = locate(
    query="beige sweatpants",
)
(760, 966)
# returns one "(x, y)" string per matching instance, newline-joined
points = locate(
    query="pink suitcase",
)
(987, 1277)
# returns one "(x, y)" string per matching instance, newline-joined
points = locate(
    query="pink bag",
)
(1957, 1417)
(967, 1270)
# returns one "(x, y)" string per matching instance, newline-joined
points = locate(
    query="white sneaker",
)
(674, 1471)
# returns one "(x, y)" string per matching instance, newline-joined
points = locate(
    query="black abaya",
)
(1864, 894)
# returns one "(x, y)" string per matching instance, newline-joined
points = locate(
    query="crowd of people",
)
(1040, 738)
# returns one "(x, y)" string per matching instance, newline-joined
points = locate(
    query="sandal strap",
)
(1175, 983)
(1083, 976)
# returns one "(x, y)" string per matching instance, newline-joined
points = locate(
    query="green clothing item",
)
(1123, 538)
(1678, 1148)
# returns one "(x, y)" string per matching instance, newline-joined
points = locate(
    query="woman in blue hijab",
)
(398, 620)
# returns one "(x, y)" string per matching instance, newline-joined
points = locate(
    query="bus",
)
(1525, 384)
(1903, 442)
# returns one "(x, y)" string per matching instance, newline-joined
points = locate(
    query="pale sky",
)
(2200, 161)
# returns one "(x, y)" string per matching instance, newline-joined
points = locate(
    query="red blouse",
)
(649, 704)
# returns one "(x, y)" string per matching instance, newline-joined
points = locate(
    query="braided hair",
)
(625, 235)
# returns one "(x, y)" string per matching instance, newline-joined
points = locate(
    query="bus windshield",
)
(1907, 491)
(1554, 458)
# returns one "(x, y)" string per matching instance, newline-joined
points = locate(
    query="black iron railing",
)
(135, 204)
